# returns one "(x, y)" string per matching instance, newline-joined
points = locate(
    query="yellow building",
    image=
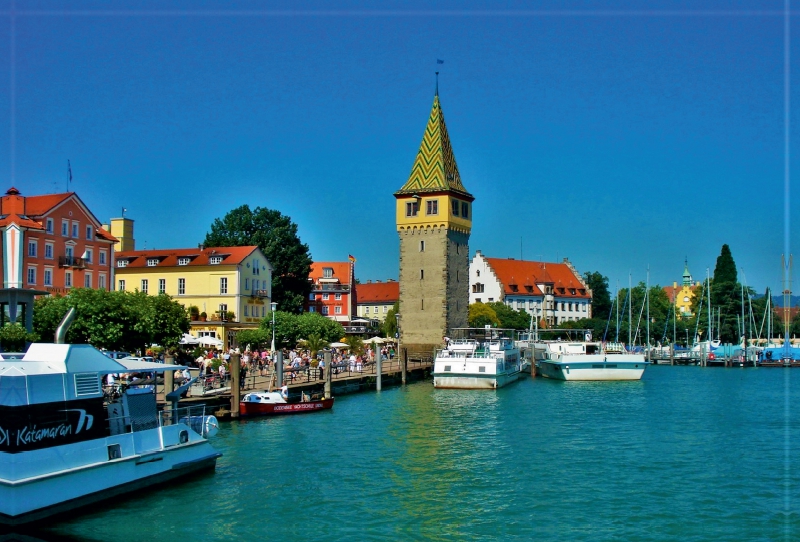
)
(682, 297)
(231, 285)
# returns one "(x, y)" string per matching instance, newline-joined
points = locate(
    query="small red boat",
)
(270, 403)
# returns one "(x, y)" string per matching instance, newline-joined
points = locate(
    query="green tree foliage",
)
(389, 326)
(725, 271)
(14, 336)
(355, 344)
(726, 297)
(276, 236)
(113, 320)
(510, 318)
(601, 297)
(292, 328)
(314, 343)
(481, 314)
(256, 338)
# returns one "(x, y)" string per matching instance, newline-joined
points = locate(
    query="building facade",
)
(552, 292)
(374, 299)
(682, 297)
(53, 243)
(434, 219)
(229, 284)
(332, 290)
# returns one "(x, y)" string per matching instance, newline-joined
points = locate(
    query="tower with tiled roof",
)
(434, 220)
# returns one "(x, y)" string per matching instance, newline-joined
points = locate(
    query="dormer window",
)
(514, 287)
(528, 288)
(122, 263)
(152, 262)
(214, 260)
(572, 291)
(327, 272)
(183, 260)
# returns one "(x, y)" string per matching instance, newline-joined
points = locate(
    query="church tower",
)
(434, 219)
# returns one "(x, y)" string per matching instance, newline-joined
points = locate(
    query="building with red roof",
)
(231, 285)
(332, 290)
(374, 299)
(553, 292)
(52, 243)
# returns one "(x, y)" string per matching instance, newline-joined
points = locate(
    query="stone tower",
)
(434, 219)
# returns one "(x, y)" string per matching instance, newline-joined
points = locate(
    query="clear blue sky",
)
(617, 137)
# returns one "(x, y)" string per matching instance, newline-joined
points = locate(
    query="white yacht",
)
(63, 446)
(477, 359)
(588, 361)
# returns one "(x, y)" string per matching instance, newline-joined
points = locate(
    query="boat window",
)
(482, 369)
(447, 367)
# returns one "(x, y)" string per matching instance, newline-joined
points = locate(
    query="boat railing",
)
(133, 422)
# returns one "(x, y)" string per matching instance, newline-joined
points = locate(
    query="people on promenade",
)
(321, 366)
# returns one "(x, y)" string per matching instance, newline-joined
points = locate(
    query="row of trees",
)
(118, 320)
(290, 329)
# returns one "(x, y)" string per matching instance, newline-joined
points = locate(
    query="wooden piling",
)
(169, 376)
(235, 368)
(327, 358)
(404, 364)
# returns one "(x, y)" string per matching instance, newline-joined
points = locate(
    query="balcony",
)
(358, 330)
(72, 261)
(330, 288)
(259, 293)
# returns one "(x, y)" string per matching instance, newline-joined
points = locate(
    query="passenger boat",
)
(271, 403)
(478, 359)
(63, 446)
(588, 361)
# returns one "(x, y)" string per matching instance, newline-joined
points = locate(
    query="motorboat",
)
(64, 446)
(272, 403)
(478, 359)
(581, 360)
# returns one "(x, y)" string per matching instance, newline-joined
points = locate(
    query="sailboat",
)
(785, 355)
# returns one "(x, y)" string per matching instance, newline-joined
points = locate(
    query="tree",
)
(389, 327)
(355, 344)
(14, 336)
(601, 297)
(481, 314)
(510, 318)
(276, 236)
(256, 338)
(118, 320)
(314, 343)
(725, 271)
(726, 297)
(313, 323)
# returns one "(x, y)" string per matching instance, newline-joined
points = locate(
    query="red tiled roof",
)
(169, 256)
(378, 292)
(524, 274)
(341, 271)
(39, 205)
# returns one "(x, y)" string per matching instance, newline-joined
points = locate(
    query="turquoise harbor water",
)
(688, 453)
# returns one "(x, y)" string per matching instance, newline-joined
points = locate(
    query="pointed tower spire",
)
(687, 277)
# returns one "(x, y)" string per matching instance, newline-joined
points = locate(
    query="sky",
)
(623, 135)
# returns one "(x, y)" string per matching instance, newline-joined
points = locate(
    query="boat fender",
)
(210, 426)
(184, 437)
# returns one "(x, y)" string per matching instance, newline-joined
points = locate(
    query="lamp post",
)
(274, 307)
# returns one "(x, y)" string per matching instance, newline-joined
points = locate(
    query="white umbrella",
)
(189, 339)
(207, 340)
(375, 340)
(339, 345)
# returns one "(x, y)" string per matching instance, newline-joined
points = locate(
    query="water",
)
(688, 453)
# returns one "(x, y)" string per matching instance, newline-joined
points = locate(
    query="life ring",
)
(711, 356)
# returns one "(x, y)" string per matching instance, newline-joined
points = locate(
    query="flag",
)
(351, 258)
(69, 170)
(439, 61)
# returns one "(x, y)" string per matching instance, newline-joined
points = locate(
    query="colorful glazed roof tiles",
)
(435, 168)
(193, 257)
(523, 277)
(378, 292)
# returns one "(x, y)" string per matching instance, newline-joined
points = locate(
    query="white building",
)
(553, 292)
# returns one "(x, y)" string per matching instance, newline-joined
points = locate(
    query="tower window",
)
(422, 246)
(465, 209)
(421, 274)
(455, 207)
(412, 208)
(432, 207)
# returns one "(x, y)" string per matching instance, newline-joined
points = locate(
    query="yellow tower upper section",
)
(122, 229)
(433, 194)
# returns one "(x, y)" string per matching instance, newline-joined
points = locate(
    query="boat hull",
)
(39, 497)
(474, 382)
(592, 370)
(247, 408)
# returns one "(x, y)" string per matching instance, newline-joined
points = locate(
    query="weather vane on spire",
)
(438, 61)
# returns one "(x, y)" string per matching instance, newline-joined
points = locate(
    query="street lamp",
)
(274, 307)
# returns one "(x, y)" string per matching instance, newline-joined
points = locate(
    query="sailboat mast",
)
(710, 317)
(630, 311)
(647, 295)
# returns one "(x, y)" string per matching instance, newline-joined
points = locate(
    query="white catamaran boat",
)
(62, 447)
(477, 359)
(588, 361)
